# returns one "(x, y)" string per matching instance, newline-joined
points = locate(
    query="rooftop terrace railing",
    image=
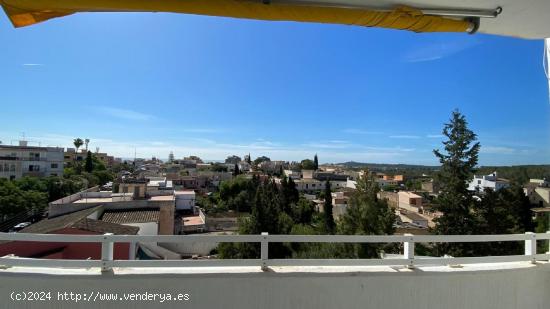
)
(408, 258)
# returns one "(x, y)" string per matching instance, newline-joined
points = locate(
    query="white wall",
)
(384, 287)
(146, 228)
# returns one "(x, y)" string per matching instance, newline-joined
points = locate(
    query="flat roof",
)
(87, 200)
(413, 216)
(161, 198)
(192, 220)
(186, 192)
(410, 194)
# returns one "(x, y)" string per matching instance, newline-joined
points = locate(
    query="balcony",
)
(33, 174)
(519, 281)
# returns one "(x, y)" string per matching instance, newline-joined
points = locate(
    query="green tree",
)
(261, 159)
(315, 162)
(367, 215)
(78, 142)
(307, 164)
(458, 161)
(14, 200)
(236, 171)
(303, 211)
(327, 210)
(89, 166)
(266, 216)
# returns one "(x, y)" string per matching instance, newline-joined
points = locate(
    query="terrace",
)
(405, 281)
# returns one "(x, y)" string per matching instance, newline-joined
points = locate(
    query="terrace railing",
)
(408, 242)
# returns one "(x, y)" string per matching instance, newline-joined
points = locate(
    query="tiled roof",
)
(79, 220)
(131, 216)
(53, 224)
(103, 227)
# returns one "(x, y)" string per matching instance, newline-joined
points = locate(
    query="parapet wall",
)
(523, 286)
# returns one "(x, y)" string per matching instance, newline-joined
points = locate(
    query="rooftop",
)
(79, 220)
(132, 216)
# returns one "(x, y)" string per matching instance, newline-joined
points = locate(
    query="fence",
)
(408, 242)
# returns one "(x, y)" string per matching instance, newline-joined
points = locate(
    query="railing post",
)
(531, 246)
(264, 251)
(132, 251)
(408, 250)
(548, 252)
(106, 253)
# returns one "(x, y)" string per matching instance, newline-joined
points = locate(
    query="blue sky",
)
(216, 86)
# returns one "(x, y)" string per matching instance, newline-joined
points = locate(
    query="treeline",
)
(34, 194)
(279, 209)
(519, 174)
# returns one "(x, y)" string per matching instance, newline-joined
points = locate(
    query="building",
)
(431, 186)
(383, 183)
(409, 200)
(271, 166)
(480, 183)
(185, 200)
(244, 166)
(146, 220)
(411, 217)
(134, 201)
(70, 155)
(309, 185)
(391, 197)
(292, 174)
(83, 222)
(23, 160)
(538, 192)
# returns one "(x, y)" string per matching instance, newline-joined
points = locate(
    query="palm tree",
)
(77, 143)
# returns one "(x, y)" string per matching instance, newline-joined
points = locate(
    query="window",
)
(54, 165)
(1, 168)
(479, 182)
(12, 168)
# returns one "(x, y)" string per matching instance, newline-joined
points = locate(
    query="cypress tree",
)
(316, 162)
(329, 219)
(458, 162)
(89, 165)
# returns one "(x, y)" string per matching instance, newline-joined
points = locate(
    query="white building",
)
(24, 160)
(185, 200)
(244, 166)
(480, 183)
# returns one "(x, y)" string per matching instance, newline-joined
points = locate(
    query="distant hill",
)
(388, 167)
(518, 173)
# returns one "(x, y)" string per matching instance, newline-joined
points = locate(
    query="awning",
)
(525, 19)
(27, 12)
